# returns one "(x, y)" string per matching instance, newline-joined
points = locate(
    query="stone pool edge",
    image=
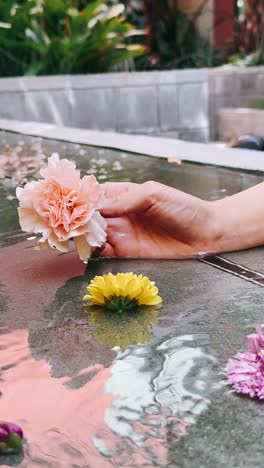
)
(213, 154)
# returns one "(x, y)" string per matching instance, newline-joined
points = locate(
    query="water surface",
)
(141, 390)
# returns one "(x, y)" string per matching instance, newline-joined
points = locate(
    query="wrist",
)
(229, 231)
(219, 232)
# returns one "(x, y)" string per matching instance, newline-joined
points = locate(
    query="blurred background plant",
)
(250, 31)
(172, 37)
(42, 37)
(252, 27)
(259, 104)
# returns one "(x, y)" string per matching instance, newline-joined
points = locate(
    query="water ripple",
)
(122, 415)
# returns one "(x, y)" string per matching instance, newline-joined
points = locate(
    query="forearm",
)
(239, 220)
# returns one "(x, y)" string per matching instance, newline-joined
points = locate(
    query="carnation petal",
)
(96, 235)
(90, 188)
(245, 373)
(61, 170)
(19, 192)
(30, 221)
(62, 246)
(83, 248)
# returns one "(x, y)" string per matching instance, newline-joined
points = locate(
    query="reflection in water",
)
(71, 339)
(127, 414)
(161, 389)
(83, 404)
(65, 339)
(79, 402)
(122, 330)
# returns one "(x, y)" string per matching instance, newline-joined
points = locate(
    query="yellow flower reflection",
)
(122, 292)
(122, 330)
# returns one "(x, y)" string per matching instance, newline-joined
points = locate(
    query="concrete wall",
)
(232, 123)
(173, 103)
(233, 88)
(179, 103)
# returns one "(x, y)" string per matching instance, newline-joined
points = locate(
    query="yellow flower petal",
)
(151, 301)
(122, 291)
(87, 297)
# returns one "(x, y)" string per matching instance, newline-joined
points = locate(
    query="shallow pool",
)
(140, 390)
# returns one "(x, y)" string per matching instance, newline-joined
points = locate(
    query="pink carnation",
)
(245, 372)
(256, 342)
(62, 206)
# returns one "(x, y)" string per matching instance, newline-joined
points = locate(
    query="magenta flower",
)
(256, 342)
(11, 437)
(245, 371)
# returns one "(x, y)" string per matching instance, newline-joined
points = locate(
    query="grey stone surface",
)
(118, 80)
(233, 87)
(215, 105)
(215, 154)
(252, 258)
(196, 94)
(94, 108)
(161, 401)
(199, 135)
(245, 101)
(47, 106)
(260, 84)
(193, 106)
(12, 106)
(235, 122)
(137, 110)
(248, 83)
(168, 107)
(139, 102)
(223, 84)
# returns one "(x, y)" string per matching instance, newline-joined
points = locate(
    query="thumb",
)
(135, 200)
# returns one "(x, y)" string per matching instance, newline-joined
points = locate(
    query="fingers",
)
(113, 189)
(108, 251)
(125, 198)
(96, 253)
(118, 237)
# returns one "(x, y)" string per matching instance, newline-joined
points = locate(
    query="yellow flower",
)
(123, 291)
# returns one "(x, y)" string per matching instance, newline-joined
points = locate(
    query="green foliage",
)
(260, 103)
(181, 46)
(175, 41)
(42, 37)
(258, 56)
(250, 60)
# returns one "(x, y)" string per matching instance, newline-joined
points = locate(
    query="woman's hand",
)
(152, 220)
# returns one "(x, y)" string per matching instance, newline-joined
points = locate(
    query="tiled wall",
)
(173, 103)
(233, 88)
(178, 103)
